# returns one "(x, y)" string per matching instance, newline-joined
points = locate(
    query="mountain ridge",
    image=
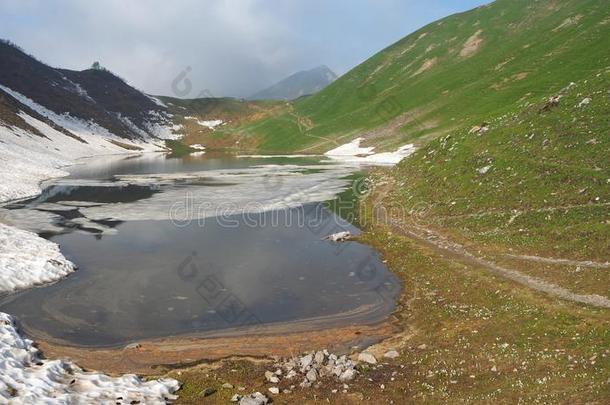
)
(299, 84)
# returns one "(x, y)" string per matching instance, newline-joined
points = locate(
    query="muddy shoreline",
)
(156, 356)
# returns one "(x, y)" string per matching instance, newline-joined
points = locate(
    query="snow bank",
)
(26, 159)
(352, 153)
(26, 378)
(351, 149)
(211, 124)
(26, 260)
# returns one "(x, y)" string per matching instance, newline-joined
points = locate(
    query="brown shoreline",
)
(154, 356)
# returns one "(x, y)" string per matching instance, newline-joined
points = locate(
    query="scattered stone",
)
(312, 375)
(235, 398)
(274, 390)
(347, 375)
(227, 386)
(422, 347)
(271, 377)
(367, 358)
(339, 237)
(484, 170)
(494, 369)
(584, 102)
(306, 361)
(254, 399)
(208, 391)
(392, 354)
(319, 357)
(133, 346)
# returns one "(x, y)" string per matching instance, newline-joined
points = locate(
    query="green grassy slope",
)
(537, 182)
(458, 71)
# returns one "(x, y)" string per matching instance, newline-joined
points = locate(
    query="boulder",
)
(392, 354)
(367, 358)
(347, 375)
(254, 399)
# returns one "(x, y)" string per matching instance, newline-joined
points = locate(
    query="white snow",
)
(26, 260)
(26, 378)
(155, 100)
(26, 159)
(351, 149)
(210, 124)
(242, 191)
(352, 153)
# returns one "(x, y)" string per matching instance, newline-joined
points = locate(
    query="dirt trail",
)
(568, 262)
(458, 252)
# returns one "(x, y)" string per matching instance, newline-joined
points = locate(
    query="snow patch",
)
(210, 124)
(26, 260)
(26, 378)
(353, 153)
(156, 100)
(351, 149)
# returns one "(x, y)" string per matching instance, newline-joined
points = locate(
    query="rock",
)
(312, 375)
(235, 398)
(339, 236)
(367, 358)
(392, 354)
(274, 390)
(133, 346)
(422, 347)
(254, 399)
(494, 369)
(347, 375)
(208, 391)
(291, 374)
(271, 377)
(305, 384)
(484, 170)
(278, 371)
(584, 102)
(319, 357)
(227, 386)
(306, 361)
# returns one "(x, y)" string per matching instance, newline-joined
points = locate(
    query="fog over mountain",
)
(227, 48)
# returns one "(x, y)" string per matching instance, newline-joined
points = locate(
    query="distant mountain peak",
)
(299, 84)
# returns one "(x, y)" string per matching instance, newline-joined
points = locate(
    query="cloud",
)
(232, 47)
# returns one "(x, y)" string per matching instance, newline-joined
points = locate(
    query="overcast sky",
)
(225, 47)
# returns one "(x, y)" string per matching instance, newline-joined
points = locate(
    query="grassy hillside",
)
(455, 72)
(233, 112)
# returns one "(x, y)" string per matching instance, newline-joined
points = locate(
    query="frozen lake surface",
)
(173, 246)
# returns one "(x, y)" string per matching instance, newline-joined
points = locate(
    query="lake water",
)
(171, 246)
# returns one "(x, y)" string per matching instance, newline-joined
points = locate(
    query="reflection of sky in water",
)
(150, 278)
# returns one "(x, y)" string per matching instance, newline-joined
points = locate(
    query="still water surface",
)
(255, 255)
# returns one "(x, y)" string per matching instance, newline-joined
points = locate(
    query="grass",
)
(465, 334)
(486, 340)
(547, 189)
(527, 49)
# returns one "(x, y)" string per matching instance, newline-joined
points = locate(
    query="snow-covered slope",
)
(34, 151)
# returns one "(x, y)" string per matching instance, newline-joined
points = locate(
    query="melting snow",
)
(27, 159)
(26, 378)
(26, 260)
(352, 153)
